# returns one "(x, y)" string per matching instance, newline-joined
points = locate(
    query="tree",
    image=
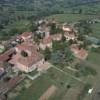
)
(24, 54)
(63, 38)
(1, 27)
(47, 53)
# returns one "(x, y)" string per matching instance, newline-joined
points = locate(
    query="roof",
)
(5, 87)
(69, 34)
(56, 36)
(27, 45)
(46, 40)
(26, 34)
(6, 55)
(79, 52)
(67, 28)
(33, 57)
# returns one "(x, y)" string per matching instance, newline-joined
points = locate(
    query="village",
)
(54, 49)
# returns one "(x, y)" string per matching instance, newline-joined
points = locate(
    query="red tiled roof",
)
(5, 87)
(30, 60)
(33, 57)
(47, 40)
(55, 36)
(26, 34)
(79, 52)
(5, 56)
(27, 45)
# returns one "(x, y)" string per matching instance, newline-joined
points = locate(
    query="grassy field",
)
(94, 58)
(96, 30)
(69, 17)
(39, 86)
(52, 77)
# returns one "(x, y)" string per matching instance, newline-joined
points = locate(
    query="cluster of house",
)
(26, 57)
(25, 54)
(68, 34)
(47, 40)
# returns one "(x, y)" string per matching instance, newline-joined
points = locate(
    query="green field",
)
(96, 30)
(52, 77)
(69, 17)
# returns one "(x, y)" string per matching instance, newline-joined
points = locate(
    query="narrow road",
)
(68, 74)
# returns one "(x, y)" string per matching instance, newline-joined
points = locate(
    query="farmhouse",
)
(27, 57)
(66, 28)
(79, 52)
(46, 42)
(26, 35)
(8, 86)
(69, 36)
(6, 56)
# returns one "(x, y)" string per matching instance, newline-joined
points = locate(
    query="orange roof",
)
(30, 60)
(27, 45)
(47, 40)
(55, 36)
(33, 57)
(26, 34)
(79, 52)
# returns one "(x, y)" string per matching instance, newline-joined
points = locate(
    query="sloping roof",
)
(56, 36)
(26, 34)
(27, 45)
(33, 57)
(5, 87)
(46, 40)
(6, 55)
(30, 60)
(79, 52)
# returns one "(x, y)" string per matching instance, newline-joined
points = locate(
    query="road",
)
(68, 74)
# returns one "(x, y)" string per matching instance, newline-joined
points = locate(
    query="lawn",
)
(33, 73)
(94, 58)
(69, 17)
(38, 87)
(96, 30)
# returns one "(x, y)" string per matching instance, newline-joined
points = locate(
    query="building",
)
(6, 56)
(57, 37)
(79, 52)
(44, 30)
(27, 57)
(66, 28)
(69, 36)
(26, 35)
(46, 42)
(8, 86)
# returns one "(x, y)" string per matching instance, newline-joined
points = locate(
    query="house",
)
(5, 87)
(27, 57)
(79, 52)
(43, 30)
(57, 37)
(66, 28)
(46, 42)
(6, 55)
(26, 35)
(69, 36)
